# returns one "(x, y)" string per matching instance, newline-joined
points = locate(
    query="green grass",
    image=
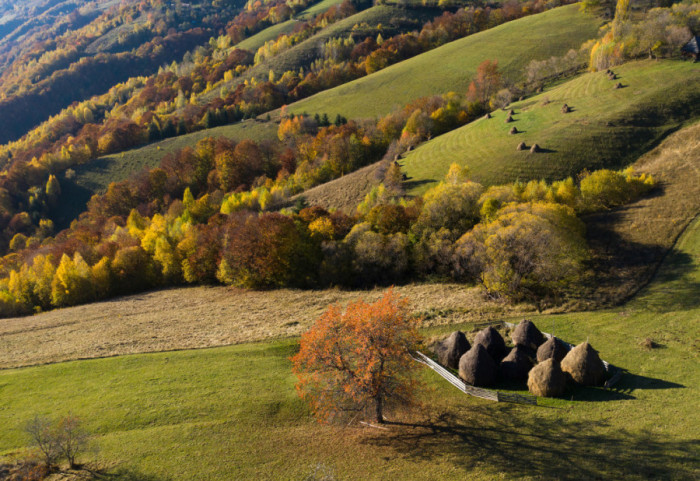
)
(258, 40)
(452, 66)
(94, 177)
(393, 19)
(232, 413)
(320, 7)
(607, 128)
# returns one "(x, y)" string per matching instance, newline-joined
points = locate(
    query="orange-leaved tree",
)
(358, 360)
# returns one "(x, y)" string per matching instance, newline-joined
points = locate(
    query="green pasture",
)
(607, 127)
(232, 412)
(452, 66)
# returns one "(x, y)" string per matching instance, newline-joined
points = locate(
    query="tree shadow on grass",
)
(411, 184)
(500, 437)
(123, 474)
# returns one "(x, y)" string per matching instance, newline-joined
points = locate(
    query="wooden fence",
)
(472, 390)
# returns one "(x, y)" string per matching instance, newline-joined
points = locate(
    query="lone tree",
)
(359, 359)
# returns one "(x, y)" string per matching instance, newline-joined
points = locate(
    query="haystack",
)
(553, 348)
(450, 350)
(516, 364)
(511, 112)
(509, 119)
(487, 116)
(535, 148)
(477, 367)
(584, 366)
(618, 85)
(526, 334)
(493, 342)
(521, 146)
(513, 130)
(565, 109)
(546, 379)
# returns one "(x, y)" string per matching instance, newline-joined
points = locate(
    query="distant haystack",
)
(516, 364)
(487, 116)
(493, 342)
(526, 334)
(513, 130)
(547, 379)
(534, 149)
(450, 350)
(584, 366)
(509, 119)
(565, 109)
(553, 348)
(618, 85)
(521, 146)
(511, 112)
(477, 367)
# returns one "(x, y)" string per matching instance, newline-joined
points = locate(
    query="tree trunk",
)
(379, 409)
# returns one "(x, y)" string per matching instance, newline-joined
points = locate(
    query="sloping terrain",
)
(94, 177)
(392, 20)
(607, 127)
(233, 413)
(210, 316)
(451, 67)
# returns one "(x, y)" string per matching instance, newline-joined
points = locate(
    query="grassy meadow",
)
(607, 128)
(452, 66)
(232, 412)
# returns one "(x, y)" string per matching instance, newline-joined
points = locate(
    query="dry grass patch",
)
(197, 317)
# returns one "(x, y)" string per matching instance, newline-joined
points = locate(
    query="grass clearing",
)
(232, 412)
(94, 177)
(452, 66)
(608, 128)
(256, 41)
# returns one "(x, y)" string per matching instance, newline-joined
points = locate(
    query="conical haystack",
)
(493, 342)
(476, 367)
(547, 379)
(526, 334)
(521, 146)
(450, 350)
(535, 148)
(516, 364)
(513, 130)
(552, 348)
(584, 366)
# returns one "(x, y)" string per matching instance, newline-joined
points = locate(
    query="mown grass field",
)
(232, 413)
(608, 128)
(94, 177)
(451, 67)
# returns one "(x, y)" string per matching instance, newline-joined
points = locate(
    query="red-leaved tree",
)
(358, 360)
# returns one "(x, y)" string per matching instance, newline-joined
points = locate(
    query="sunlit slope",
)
(607, 127)
(452, 66)
(94, 177)
(236, 408)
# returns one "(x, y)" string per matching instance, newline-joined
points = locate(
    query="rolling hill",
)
(452, 66)
(94, 177)
(607, 128)
(232, 412)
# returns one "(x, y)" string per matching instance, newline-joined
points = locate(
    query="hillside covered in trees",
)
(180, 176)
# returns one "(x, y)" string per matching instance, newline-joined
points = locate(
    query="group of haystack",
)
(546, 364)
